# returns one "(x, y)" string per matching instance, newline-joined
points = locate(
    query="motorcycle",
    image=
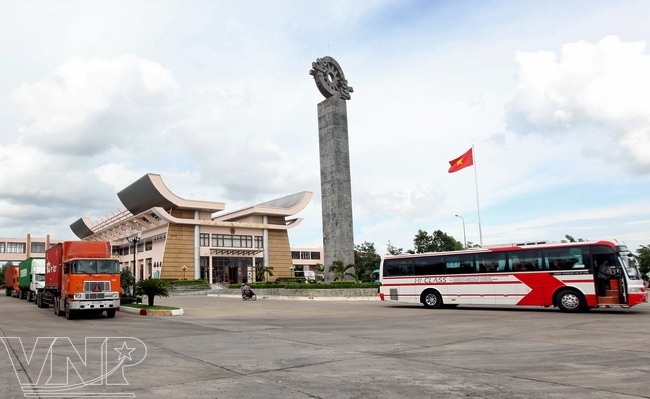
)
(247, 293)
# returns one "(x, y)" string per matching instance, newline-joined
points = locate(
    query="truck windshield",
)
(40, 277)
(102, 266)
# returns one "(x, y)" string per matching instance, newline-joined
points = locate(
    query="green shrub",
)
(293, 286)
(153, 287)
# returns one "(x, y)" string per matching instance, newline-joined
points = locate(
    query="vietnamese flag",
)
(462, 161)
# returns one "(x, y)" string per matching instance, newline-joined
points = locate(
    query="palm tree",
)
(261, 272)
(153, 287)
(341, 271)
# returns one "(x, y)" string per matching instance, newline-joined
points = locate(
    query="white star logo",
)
(122, 351)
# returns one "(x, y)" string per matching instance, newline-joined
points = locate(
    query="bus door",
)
(615, 289)
(633, 289)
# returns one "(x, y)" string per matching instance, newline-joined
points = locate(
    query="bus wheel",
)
(431, 299)
(570, 301)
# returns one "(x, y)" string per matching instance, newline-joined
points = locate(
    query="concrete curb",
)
(152, 312)
(305, 298)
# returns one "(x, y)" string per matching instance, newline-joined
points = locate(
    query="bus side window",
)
(398, 267)
(428, 265)
(490, 262)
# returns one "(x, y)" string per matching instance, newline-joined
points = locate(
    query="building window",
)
(148, 246)
(259, 242)
(295, 254)
(16, 247)
(304, 255)
(204, 240)
(2, 246)
(233, 241)
(38, 247)
(315, 255)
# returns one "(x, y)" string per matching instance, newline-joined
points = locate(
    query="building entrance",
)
(230, 270)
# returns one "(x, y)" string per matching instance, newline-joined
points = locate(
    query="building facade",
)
(307, 262)
(16, 250)
(161, 235)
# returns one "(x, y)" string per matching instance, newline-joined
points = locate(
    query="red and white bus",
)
(539, 274)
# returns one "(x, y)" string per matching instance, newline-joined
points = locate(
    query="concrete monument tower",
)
(336, 187)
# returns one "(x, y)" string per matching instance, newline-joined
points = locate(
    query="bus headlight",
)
(633, 289)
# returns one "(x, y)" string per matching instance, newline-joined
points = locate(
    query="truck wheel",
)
(29, 296)
(69, 313)
(110, 313)
(57, 307)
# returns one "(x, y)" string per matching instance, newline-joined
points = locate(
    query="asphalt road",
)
(227, 348)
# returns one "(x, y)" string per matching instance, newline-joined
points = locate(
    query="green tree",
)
(152, 288)
(261, 272)
(393, 250)
(320, 271)
(571, 239)
(422, 242)
(366, 260)
(126, 280)
(340, 271)
(643, 256)
(437, 242)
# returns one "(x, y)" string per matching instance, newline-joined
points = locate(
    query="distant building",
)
(16, 250)
(187, 239)
(306, 260)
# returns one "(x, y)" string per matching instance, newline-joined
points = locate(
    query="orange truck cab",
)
(81, 276)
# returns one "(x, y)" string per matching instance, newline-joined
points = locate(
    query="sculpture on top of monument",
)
(330, 79)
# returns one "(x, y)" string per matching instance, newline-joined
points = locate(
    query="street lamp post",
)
(184, 268)
(136, 238)
(464, 235)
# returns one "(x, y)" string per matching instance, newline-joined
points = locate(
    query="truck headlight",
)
(78, 296)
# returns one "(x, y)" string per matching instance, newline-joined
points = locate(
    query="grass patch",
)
(141, 306)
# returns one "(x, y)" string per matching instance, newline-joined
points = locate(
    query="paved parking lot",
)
(227, 348)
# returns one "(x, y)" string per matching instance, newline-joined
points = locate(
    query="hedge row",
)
(332, 285)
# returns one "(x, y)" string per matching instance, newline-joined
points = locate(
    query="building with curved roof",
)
(159, 234)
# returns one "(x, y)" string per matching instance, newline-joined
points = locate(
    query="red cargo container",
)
(11, 280)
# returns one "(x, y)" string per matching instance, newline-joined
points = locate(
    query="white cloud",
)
(588, 87)
(89, 104)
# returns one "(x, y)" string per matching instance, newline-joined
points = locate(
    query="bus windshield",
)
(631, 267)
(100, 266)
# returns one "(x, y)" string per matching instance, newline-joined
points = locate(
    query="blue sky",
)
(216, 97)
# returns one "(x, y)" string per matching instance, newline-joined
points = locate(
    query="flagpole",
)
(478, 208)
